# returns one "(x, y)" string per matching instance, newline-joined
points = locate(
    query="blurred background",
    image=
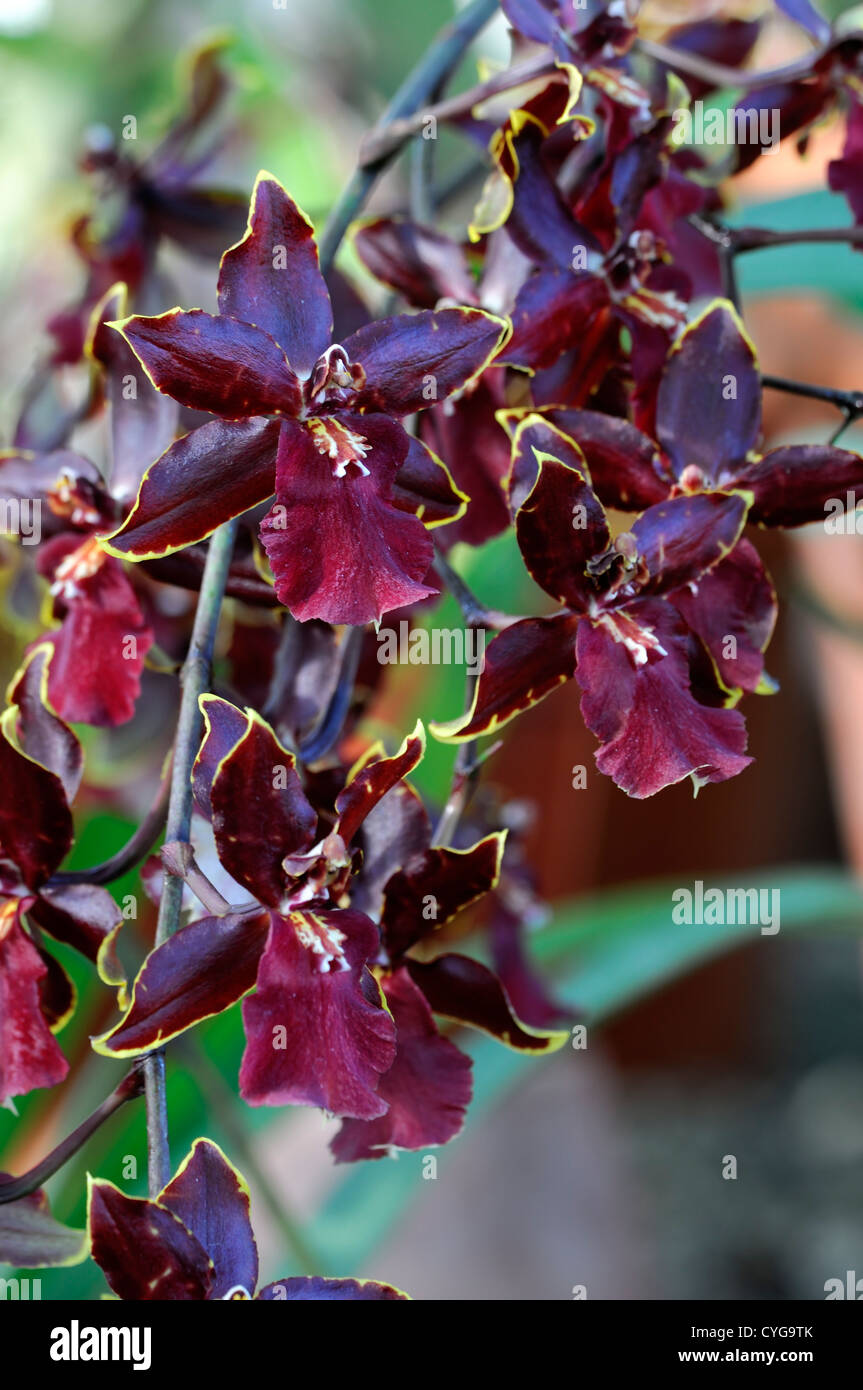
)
(601, 1167)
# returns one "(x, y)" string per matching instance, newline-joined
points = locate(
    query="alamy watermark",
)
(714, 125)
(21, 517)
(700, 906)
(438, 646)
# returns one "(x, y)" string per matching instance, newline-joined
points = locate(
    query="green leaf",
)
(604, 952)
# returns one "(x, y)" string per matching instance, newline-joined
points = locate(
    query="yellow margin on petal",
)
(105, 1182)
(100, 1044)
(61, 1022)
(120, 290)
(505, 326)
(553, 1038)
(527, 422)
(241, 1181)
(264, 176)
(500, 836)
(718, 303)
(462, 496)
(366, 758)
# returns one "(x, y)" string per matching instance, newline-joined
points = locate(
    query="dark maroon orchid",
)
(337, 1019)
(317, 422)
(41, 764)
(627, 645)
(194, 1241)
(708, 424)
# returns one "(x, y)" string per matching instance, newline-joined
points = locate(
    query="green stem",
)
(194, 679)
(224, 1104)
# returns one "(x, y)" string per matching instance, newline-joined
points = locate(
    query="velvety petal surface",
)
(633, 669)
(211, 1199)
(210, 362)
(35, 820)
(523, 664)
(29, 1055)
(427, 1089)
(680, 540)
(733, 610)
(218, 471)
(317, 1032)
(199, 971)
(369, 782)
(433, 887)
(260, 812)
(463, 989)
(272, 277)
(798, 483)
(413, 360)
(709, 404)
(339, 549)
(98, 651)
(143, 1250)
(560, 528)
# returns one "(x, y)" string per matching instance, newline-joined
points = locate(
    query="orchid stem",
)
(194, 679)
(11, 1189)
(437, 63)
(136, 848)
(224, 1103)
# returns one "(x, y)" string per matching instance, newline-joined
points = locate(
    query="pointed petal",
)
(427, 1089)
(681, 540)
(462, 989)
(433, 887)
(211, 1199)
(316, 1031)
(224, 726)
(209, 362)
(535, 438)
(218, 471)
(560, 527)
(272, 278)
(523, 664)
(143, 1250)
(35, 820)
(709, 405)
(396, 829)
(199, 971)
(424, 487)
(633, 669)
(413, 360)
(369, 782)
(260, 812)
(733, 610)
(41, 735)
(84, 916)
(623, 466)
(339, 549)
(803, 482)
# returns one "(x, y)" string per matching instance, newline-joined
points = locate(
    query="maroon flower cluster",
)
(572, 370)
